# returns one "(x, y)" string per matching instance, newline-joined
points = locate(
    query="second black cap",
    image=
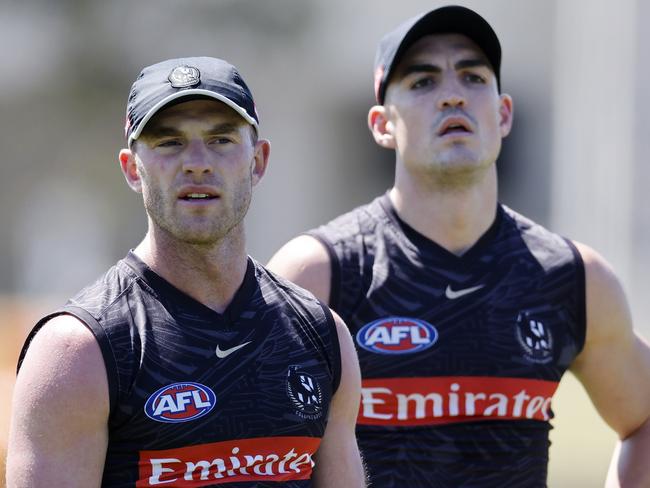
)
(444, 20)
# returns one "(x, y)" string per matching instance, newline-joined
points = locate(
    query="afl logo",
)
(397, 335)
(180, 402)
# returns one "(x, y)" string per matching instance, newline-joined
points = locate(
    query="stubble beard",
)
(457, 177)
(193, 230)
(457, 172)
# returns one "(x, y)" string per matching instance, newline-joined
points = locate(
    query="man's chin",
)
(456, 174)
(200, 238)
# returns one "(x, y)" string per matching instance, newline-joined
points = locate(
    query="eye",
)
(221, 140)
(474, 78)
(422, 83)
(167, 143)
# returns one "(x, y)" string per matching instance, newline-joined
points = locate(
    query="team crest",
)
(305, 394)
(184, 76)
(535, 338)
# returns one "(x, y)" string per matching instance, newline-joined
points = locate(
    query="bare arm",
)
(614, 368)
(58, 434)
(338, 462)
(305, 261)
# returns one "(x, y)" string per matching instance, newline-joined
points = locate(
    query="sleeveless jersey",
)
(460, 356)
(199, 398)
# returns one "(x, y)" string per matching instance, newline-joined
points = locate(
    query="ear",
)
(381, 127)
(260, 160)
(130, 169)
(505, 114)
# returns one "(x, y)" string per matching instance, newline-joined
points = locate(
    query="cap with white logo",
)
(173, 80)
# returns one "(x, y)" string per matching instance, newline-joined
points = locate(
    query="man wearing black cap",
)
(465, 313)
(188, 364)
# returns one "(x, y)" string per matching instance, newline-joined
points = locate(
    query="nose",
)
(196, 159)
(451, 95)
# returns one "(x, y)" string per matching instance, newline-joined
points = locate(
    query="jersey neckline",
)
(164, 288)
(422, 242)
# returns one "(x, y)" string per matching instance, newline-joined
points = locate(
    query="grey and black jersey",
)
(460, 355)
(199, 398)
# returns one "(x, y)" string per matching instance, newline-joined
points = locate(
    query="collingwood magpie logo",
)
(305, 393)
(535, 338)
(184, 76)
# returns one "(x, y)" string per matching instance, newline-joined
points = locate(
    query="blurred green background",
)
(575, 160)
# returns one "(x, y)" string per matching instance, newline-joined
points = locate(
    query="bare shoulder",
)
(614, 363)
(596, 266)
(60, 409)
(64, 340)
(607, 307)
(65, 361)
(344, 336)
(338, 459)
(350, 387)
(305, 261)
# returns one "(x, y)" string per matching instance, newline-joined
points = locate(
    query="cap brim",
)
(197, 92)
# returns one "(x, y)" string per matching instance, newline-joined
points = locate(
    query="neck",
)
(455, 217)
(209, 273)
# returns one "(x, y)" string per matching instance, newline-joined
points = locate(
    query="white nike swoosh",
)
(452, 295)
(222, 353)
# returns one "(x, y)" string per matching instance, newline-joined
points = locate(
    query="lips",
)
(455, 125)
(197, 194)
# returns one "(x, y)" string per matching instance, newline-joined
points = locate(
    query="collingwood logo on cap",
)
(184, 76)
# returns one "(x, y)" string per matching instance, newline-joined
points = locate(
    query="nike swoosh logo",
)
(452, 295)
(222, 353)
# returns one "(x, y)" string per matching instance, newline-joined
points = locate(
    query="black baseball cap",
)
(444, 20)
(174, 80)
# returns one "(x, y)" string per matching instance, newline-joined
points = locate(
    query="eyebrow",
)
(169, 131)
(226, 127)
(472, 63)
(420, 68)
(432, 68)
(159, 131)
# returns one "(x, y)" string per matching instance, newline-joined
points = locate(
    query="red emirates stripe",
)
(452, 399)
(260, 459)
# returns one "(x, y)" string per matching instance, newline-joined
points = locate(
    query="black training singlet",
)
(460, 356)
(204, 399)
